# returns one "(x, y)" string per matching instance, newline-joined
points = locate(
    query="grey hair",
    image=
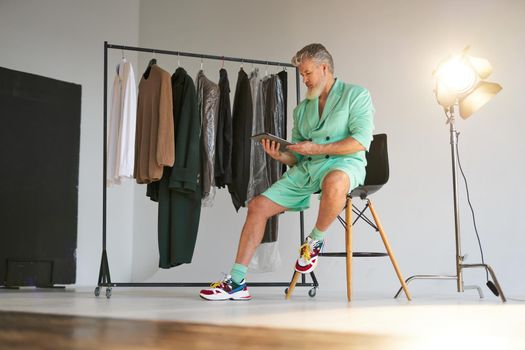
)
(316, 52)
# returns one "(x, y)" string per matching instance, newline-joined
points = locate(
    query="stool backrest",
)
(377, 171)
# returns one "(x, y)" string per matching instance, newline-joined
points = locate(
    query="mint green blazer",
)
(348, 111)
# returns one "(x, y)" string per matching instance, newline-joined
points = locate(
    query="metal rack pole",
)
(199, 55)
(105, 148)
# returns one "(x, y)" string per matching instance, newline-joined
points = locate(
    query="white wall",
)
(391, 48)
(64, 40)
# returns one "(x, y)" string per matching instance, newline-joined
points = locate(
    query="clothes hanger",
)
(118, 64)
(122, 59)
(178, 59)
(202, 64)
(152, 62)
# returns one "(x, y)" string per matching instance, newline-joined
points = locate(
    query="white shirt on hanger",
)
(122, 123)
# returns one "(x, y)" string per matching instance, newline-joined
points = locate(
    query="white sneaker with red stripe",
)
(226, 289)
(308, 255)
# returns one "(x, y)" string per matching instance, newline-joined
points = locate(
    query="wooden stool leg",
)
(348, 240)
(389, 250)
(292, 285)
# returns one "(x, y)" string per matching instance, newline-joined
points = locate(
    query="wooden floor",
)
(40, 331)
(177, 319)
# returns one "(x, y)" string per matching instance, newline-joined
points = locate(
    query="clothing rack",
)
(104, 278)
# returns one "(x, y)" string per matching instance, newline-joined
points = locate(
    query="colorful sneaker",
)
(226, 289)
(309, 252)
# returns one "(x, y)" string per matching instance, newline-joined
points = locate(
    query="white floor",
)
(460, 321)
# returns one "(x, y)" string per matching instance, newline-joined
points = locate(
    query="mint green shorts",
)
(294, 188)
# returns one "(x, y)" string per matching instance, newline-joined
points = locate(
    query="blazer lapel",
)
(312, 113)
(333, 98)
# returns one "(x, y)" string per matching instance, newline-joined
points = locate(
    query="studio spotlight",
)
(460, 82)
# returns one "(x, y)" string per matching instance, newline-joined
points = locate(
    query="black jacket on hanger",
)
(283, 76)
(179, 191)
(223, 145)
(241, 127)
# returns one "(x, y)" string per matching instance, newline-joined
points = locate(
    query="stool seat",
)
(364, 191)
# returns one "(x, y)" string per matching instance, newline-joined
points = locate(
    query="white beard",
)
(316, 91)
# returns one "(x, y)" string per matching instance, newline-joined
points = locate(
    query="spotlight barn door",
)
(39, 156)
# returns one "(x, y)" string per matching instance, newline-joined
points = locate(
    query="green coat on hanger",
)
(179, 192)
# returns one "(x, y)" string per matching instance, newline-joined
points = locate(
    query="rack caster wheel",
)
(312, 292)
(108, 292)
(97, 291)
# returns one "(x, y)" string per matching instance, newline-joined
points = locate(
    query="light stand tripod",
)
(494, 287)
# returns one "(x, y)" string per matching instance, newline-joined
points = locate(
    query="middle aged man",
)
(332, 129)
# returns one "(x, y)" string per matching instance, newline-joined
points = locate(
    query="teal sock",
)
(238, 272)
(317, 235)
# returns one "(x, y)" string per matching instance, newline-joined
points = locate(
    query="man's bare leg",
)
(335, 187)
(234, 287)
(260, 209)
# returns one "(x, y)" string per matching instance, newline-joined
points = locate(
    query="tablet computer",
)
(271, 137)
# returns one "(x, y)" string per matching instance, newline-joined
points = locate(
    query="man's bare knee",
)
(336, 184)
(257, 206)
(262, 206)
(254, 204)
